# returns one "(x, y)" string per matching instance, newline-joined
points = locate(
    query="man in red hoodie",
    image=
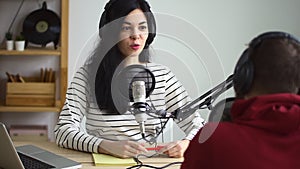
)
(264, 131)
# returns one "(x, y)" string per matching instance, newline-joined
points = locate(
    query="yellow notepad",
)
(103, 159)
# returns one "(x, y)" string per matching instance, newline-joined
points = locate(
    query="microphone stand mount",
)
(207, 99)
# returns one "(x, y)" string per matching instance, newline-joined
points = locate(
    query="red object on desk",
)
(154, 148)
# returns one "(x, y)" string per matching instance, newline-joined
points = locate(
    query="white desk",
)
(86, 159)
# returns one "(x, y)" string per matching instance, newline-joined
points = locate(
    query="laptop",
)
(29, 156)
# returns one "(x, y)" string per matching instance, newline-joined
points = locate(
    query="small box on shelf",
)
(29, 132)
(30, 93)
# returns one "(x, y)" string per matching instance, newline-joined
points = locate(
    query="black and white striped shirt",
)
(82, 126)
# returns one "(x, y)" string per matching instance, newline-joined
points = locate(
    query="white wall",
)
(219, 31)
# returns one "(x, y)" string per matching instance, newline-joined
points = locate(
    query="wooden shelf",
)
(29, 109)
(32, 51)
(4, 108)
(61, 52)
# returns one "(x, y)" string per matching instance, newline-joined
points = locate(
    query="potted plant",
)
(9, 41)
(20, 42)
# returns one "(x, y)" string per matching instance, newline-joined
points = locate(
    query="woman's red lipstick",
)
(135, 46)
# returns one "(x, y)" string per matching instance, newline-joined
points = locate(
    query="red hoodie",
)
(264, 134)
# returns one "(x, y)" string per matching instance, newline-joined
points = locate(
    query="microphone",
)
(140, 106)
(140, 84)
(135, 83)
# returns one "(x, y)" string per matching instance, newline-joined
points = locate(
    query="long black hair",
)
(108, 56)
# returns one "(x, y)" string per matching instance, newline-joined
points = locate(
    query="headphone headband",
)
(272, 35)
(103, 18)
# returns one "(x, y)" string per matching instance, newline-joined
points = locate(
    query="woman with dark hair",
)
(95, 117)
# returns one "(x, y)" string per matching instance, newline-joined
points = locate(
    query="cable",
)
(155, 137)
(162, 133)
(150, 166)
(140, 163)
(12, 22)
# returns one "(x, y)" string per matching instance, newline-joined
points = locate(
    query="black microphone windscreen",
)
(133, 73)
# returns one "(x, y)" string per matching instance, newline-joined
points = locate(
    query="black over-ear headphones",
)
(244, 69)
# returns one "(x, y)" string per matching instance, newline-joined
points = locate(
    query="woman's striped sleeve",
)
(69, 132)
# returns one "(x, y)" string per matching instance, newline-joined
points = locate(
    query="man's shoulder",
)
(226, 131)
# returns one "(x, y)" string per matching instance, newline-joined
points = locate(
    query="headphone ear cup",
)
(243, 74)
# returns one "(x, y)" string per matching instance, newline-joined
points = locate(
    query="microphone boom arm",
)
(208, 97)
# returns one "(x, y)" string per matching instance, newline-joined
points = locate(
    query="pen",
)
(154, 148)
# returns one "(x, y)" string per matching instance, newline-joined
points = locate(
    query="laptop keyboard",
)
(31, 163)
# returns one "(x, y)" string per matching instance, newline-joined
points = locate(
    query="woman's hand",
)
(175, 149)
(122, 149)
